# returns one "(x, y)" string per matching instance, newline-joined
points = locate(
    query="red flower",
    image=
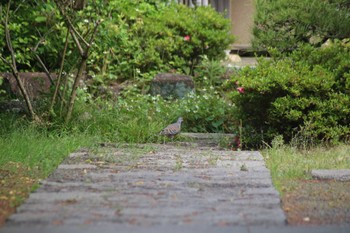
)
(187, 38)
(240, 89)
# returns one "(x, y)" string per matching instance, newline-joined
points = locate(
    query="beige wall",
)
(242, 16)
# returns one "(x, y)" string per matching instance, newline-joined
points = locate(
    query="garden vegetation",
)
(299, 97)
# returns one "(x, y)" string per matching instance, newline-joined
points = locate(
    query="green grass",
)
(29, 153)
(37, 149)
(288, 164)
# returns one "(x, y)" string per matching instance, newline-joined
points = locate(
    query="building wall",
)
(241, 13)
(242, 19)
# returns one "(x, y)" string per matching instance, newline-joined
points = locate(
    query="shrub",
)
(207, 111)
(285, 24)
(286, 95)
(23, 18)
(142, 38)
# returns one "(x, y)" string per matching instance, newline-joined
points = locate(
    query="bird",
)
(173, 129)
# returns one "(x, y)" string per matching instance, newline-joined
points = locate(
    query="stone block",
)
(170, 85)
(331, 174)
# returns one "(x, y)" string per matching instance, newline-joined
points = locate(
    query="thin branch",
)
(93, 35)
(4, 60)
(41, 61)
(19, 5)
(76, 32)
(70, 24)
(13, 66)
(8, 39)
(81, 50)
(45, 69)
(58, 84)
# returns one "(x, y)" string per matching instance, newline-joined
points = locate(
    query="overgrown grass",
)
(288, 163)
(39, 149)
(29, 153)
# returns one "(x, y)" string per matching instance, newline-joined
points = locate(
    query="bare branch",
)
(42, 39)
(93, 35)
(70, 25)
(74, 35)
(45, 68)
(58, 83)
(8, 39)
(4, 60)
(13, 66)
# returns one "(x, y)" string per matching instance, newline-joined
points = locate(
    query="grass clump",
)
(288, 163)
(38, 149)
(29, 153)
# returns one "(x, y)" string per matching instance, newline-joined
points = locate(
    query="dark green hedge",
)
(305, 94)
(284, 24)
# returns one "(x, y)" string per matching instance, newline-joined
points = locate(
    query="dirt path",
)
(316, 202)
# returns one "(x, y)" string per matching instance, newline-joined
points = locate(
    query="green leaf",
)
(217, 123)
(40, 19)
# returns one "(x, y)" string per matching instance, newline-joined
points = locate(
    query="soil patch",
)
(16, 183)
(315, 202)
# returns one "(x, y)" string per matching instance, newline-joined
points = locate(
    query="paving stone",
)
(332, 174)
(76, 166)
(77, 154)
(170, 186)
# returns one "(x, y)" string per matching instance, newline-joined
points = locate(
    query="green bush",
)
(302, 93)
(28, 24)
(207, 111)
(285, 24)
(142, 38)
(135, 39)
